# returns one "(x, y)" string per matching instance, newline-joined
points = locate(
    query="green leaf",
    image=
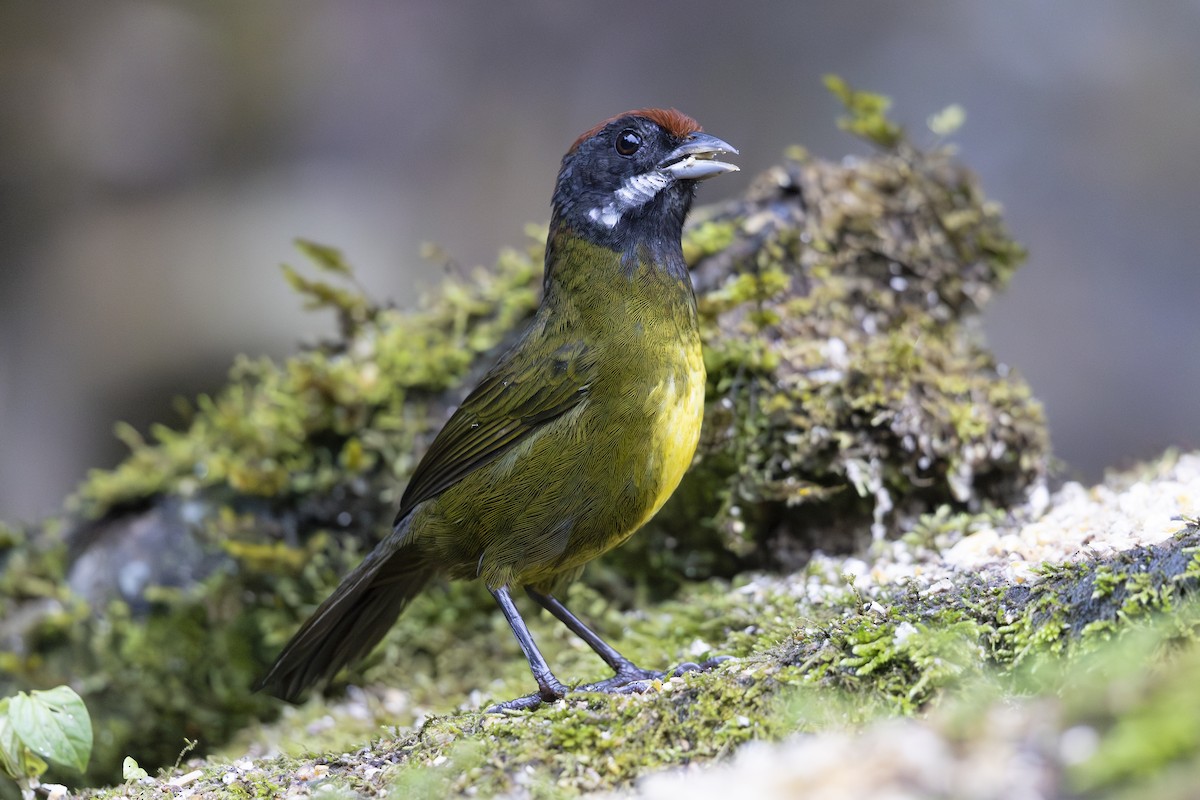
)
(327, 258)
(130, 771)
(16, 759)
(54, 724)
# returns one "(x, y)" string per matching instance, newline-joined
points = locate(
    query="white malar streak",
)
(635, 192)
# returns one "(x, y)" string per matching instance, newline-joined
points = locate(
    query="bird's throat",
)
(652, 266)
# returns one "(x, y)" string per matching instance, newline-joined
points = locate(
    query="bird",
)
(576, 436)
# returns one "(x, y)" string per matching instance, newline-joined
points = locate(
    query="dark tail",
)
(352, 621)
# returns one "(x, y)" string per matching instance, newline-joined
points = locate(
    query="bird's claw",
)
(642, 684)
(529, 701)
(622, 679)
(632, 680)
(549, 693)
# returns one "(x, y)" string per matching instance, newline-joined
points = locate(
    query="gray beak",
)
(695, 159)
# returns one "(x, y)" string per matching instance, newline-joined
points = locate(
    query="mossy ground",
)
(1109, 644)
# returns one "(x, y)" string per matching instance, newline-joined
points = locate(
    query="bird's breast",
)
(676, 404)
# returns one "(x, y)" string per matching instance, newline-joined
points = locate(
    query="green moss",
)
(867, 114)
(463, 761)
(707, 238)
(815, 666)
(894, 656)
(1140, 700)
(902, 655)
(829, 344)
(589, 743)
(946, 526)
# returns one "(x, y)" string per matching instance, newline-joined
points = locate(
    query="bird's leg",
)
(629, 676)
(549, 687)
(626, 671)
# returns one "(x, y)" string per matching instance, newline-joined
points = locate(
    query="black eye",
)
(628, 142)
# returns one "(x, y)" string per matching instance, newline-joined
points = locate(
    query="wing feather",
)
(515, 400)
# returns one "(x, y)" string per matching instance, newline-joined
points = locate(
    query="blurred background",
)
(157, 159)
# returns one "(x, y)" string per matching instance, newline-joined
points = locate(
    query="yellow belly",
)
(681, 410)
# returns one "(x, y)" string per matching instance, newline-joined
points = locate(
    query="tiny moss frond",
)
(866, 115)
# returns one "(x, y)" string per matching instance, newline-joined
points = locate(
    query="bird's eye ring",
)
(628, 142)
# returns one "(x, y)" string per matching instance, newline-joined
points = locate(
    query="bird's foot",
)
(626, 676)
(517, 704)
(548, 691)
(631, 679)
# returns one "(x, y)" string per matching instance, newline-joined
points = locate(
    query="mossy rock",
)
(849, 393)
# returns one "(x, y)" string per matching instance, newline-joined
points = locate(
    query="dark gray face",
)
(633, 177)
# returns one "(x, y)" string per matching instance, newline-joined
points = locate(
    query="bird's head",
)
(635, 175)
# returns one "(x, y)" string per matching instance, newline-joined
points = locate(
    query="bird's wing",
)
(513, 401)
